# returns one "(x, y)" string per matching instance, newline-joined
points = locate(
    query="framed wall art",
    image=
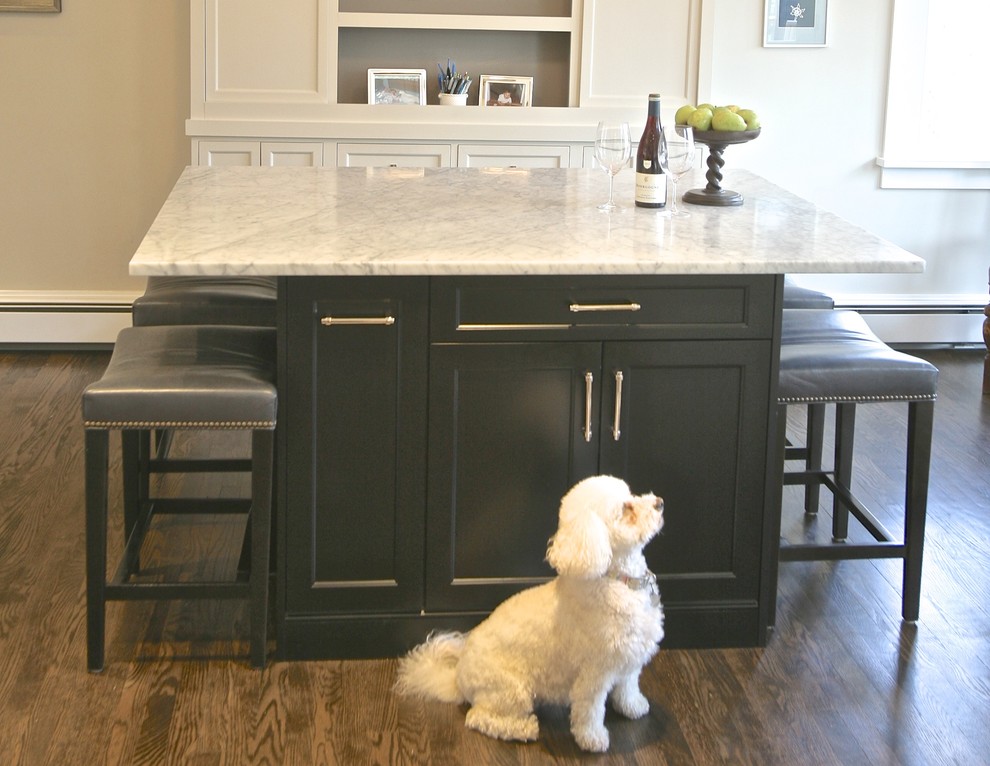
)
(501, 90)
(41, 6)
(397, 86)
(795, 24)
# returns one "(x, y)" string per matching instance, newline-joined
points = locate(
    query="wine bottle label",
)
(651, 188)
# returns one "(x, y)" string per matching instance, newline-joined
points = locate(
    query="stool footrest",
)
(862, 514)
(140, 591)
(199, 505)
(840, 551)
(200, 465)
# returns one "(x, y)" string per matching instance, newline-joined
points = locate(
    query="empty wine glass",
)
(612, 149)
(679, 159)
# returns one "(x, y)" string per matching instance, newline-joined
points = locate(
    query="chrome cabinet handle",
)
(577, 308)
(588, 385)
(385, 320)
(618, 405)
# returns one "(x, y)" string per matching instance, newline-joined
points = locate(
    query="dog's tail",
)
(429, 670)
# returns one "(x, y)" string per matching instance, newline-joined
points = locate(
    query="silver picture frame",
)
(496, 90)
(397, 86)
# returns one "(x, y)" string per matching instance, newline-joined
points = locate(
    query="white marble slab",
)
(398, 221)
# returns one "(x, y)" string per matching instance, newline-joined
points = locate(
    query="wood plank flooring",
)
(842, 681)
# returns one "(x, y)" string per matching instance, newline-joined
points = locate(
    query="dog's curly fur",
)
(579, 639)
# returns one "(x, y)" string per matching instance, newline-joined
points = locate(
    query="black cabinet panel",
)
(507, 439)
(356, 444)
(693, 429)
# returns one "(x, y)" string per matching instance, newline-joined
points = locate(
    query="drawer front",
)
(485, 309)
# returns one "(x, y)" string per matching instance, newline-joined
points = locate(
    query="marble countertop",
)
(412, 221)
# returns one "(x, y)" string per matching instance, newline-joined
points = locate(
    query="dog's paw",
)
(594, 739)
(524, 728)
(631, 704)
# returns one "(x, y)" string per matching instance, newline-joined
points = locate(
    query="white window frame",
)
(919, 151)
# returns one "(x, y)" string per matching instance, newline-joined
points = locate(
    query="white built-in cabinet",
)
(286, 83)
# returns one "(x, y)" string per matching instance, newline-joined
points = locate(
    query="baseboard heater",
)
(67, 318)
(921, 320)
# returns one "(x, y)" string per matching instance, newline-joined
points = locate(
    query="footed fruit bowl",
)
(717, 141)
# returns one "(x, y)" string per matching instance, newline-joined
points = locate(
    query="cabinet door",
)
(230, 153)
(693, 429)
(356, 444)
(303, 154)
(507, 440)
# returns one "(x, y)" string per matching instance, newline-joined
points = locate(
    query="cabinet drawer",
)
(393, 155)
(467, 309)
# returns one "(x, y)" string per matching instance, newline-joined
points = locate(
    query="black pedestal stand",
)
(717, 141)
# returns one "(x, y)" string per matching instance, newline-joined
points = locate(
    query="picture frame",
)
(795, 24)
(39, 6)
(397, 86)
(501, 90)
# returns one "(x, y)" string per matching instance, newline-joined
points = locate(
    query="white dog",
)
(578, 639)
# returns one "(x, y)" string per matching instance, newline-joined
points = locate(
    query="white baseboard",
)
(94, 318)
(69, 317)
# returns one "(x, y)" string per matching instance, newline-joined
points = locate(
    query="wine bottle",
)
(651, 182)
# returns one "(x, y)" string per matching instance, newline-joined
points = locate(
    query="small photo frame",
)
(795, 24)
(397, 86)
(499, 90)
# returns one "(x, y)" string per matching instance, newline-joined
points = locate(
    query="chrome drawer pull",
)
(385, 320)
(588, 382)
(579, 307)
(618, 405)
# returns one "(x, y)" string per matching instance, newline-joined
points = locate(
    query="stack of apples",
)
(705, 117)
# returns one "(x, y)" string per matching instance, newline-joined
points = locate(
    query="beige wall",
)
(92, 108)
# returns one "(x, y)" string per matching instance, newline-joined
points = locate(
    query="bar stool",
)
(832, 357)
(186, 377)
(244, 300)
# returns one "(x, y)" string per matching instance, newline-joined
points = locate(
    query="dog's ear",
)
(581, 547)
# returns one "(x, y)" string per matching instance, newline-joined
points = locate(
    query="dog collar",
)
(647, 582)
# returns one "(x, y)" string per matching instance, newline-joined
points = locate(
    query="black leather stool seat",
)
(798, 297)
(179, 377)
(832, 357)
(243, 300)
(186, 376)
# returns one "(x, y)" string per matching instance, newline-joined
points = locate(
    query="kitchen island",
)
(457, 347)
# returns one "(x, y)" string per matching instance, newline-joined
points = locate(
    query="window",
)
(937, 109)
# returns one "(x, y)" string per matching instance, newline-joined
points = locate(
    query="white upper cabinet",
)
(302, 61)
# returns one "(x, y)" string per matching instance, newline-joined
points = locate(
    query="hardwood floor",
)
(842, 681)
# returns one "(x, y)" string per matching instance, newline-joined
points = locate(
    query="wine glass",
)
(679, 159)
(612, 150)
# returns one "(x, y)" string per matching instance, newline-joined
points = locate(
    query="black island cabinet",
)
(430, 425)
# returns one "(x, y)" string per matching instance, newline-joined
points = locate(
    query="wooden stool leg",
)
(262, 457)
(814, 444)
(845, 429)
(97, 465)
(135, 448)
(919, 451)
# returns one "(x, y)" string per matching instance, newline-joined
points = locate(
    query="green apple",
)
(752, 121)
(700, 118)
(724, 120)
(682, 114)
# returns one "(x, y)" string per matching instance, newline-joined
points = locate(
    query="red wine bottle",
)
(651, 182)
